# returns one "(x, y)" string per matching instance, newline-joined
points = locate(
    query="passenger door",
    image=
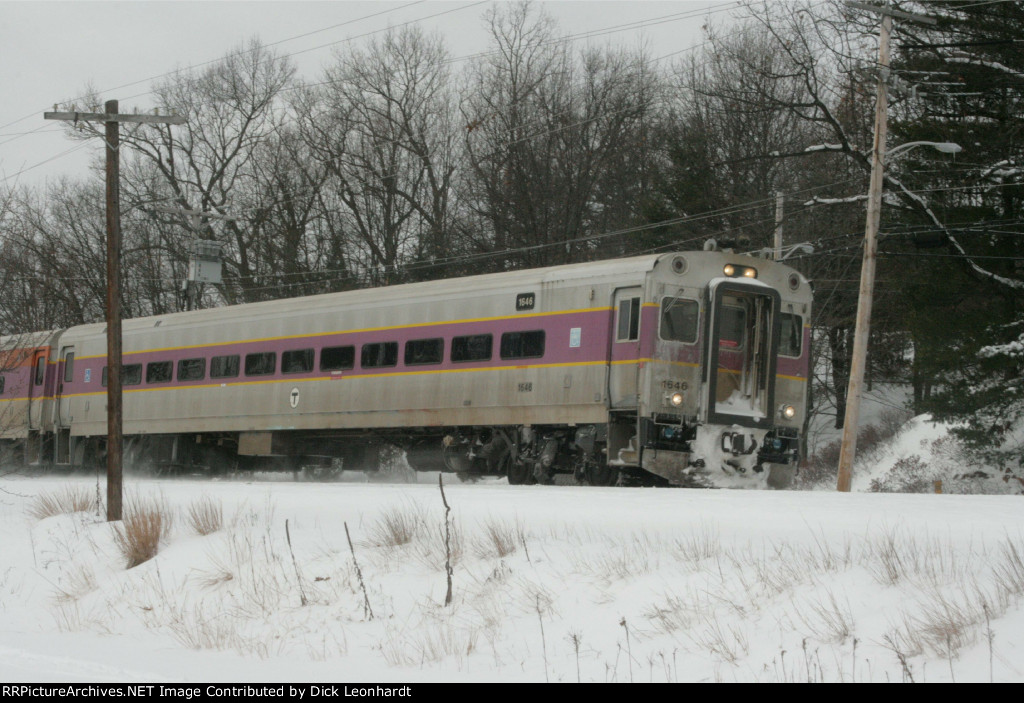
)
(62, 405)
(37, 389)
(624, 365)
(66, 373)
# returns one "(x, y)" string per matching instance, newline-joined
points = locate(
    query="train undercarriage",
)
(655, 452)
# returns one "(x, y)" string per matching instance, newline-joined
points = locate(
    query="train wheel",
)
(519, 473)
(601, 474)
(780, 476)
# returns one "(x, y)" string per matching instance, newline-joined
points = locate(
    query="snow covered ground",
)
(559, 583)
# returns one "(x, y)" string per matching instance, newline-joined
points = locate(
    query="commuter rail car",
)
(684, 369)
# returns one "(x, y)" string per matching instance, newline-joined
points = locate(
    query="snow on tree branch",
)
(923, 205)
(825, 147)
(835, 201)
(995, 65)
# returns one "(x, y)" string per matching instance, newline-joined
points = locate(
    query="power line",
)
(222, 58)
(951, 256)
(45, 161)
(599, 32)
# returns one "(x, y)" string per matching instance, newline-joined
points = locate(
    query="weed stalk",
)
(447, 540)
(367, 610)
(298, 576)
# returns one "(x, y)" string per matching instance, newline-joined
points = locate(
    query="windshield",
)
(679, 318)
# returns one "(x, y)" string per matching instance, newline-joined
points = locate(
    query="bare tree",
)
(233, 109)
(382, 124)
(548, 137)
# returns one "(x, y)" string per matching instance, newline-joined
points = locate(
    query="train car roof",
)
(405, 291)
(438, 288)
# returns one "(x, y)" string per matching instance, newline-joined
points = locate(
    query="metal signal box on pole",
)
(204, 264)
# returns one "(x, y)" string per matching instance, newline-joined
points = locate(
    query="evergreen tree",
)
(959, 262)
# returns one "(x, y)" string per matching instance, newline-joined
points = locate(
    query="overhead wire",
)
(584, 35)
(237, 53)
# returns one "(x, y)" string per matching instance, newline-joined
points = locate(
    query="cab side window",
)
(628, 329)
(791, 335)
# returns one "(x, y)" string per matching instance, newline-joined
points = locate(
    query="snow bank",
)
(560, 583)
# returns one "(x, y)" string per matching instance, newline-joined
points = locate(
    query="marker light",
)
(732, 271)
(787, 412)
(676, 399)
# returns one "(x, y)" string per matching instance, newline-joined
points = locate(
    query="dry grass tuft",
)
(440, 642)
(698, 545)
(828, 620)
(676, 614)
(205, 516)
(726, 641)
(72, 499)
(138, 536)
(499, 539)
(76, 582)
(397, 526)
(1009, 570)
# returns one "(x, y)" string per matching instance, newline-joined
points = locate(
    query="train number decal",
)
(525, 301)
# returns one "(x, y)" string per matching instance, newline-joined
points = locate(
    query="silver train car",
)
(681, 369)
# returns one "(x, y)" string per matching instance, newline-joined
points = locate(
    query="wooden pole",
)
(780, 200)
(862, 332)
(111, 120)
(114, 415)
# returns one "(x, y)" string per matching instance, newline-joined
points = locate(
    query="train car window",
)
(131, 375)
(379, 355)
(69, 367)
(297, 361)
(629, 320)
(424, 351)
(224, 366)
(159, 371)
(522, 345)
(791, 334)
(337, 358)
(476, 347)
(3, 381)
(730, 329)
(192, 369)
(260, 364)
(40, 370)
(679, 318)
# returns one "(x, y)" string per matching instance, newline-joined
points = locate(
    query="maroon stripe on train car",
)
(594, 326)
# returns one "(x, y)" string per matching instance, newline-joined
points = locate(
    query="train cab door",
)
(37, 389)
(624, 368)
(741, 342)
(62, 410)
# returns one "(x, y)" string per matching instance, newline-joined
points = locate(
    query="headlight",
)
(732, 271)
(676, 399)
(787, 412)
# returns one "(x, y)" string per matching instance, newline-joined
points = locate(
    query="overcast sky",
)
(51, 51)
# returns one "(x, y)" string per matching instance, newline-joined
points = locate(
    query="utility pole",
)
(780, 200)
(112, 120)
(862, 331)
